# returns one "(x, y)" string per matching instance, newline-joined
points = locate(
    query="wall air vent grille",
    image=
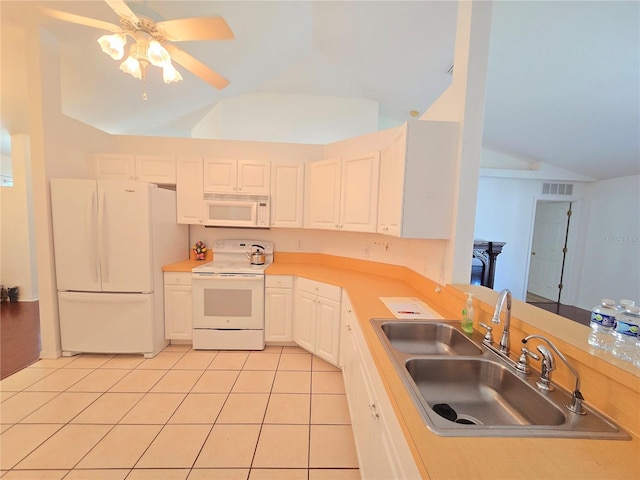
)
(557, 189)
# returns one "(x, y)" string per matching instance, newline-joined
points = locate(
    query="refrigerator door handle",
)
(102, 245)
(92, 228)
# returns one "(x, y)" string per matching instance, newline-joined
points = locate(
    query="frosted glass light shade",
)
(170, 74)
(157, 54)
(113, 45)
(132, 67)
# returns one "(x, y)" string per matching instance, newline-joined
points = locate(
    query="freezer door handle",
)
(103, 297)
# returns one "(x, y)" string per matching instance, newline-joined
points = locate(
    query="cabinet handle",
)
(348, 328)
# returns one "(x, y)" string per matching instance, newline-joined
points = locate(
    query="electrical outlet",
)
(300, 245)
(367, 251)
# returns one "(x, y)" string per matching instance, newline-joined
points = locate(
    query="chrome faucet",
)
(548, 365)
(504, 340)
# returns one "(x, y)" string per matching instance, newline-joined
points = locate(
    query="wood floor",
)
(19, 336)
(568, 311)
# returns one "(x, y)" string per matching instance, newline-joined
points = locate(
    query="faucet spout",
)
(504, 298)
(576, 398)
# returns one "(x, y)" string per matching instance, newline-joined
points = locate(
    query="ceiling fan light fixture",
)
(157, 54)
(131, 66)
(113, 45)
(170, 74)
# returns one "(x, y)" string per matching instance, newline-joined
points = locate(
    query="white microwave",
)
(231, 210)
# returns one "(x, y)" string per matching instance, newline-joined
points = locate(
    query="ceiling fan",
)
(151, 41)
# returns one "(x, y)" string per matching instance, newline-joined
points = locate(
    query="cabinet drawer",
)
(282, 281)
(325, 290)
(177, 278)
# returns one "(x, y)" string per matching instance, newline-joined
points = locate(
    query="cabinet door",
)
(220, 175)
(253, 176)
(359, 193)
(155, 169)
(111, 166)
(177, 312)
(391, 187)
(190, 204)
(287, 195)
(360, 404)
(322, 194)
(304, 320)
(327, 342)
(429, 179)
(278, 314)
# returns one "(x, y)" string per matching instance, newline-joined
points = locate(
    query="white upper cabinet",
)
(145, 168)
(322, 194)
(342, 194)
(229, 175)
(417, 179)
(287, 194)
(189, 193)
(359, 193)
(391, 185)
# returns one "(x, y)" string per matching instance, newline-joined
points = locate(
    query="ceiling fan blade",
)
(123, 10)
(89, 22)
(196, 67)
(186, 29)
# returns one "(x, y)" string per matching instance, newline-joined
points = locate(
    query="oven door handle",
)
(227, 278)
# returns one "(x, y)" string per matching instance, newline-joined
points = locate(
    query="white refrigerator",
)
(111, 239)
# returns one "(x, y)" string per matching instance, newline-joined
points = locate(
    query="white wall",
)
(273, 117)
(611, 267)
(17, 236)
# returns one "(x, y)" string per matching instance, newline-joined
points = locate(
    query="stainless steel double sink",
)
(461, 388)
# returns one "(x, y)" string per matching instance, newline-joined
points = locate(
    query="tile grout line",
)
(264, 415)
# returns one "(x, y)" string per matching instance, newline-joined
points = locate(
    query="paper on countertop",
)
(409, 307)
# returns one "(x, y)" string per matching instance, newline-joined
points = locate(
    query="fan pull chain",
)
(144, 80)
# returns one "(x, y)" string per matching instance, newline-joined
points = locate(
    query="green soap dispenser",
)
(467, 315)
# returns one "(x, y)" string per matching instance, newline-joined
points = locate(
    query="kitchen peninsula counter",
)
(606, 386)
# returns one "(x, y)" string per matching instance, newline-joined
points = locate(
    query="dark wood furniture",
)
(483, 264)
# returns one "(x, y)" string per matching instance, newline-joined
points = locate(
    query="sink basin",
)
(428, 338)
(461, 388)
(481, 392)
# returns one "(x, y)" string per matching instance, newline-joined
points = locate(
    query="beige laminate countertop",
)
(461, 457)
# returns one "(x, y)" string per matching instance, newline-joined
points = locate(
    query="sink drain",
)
(467, 420)
(446, 411)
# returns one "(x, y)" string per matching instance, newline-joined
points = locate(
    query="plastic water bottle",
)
(603, 322)
(627, 325)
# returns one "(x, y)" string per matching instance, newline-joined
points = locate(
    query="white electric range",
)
(228, 297)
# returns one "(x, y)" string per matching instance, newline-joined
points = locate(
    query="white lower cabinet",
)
(178, 324)
(278, 308)
(316, 318)
(382, 450)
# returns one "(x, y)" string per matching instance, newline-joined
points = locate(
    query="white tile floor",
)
(185, 414)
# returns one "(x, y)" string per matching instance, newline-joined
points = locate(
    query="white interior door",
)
(74, 208)
(549, 234)
(124, 244)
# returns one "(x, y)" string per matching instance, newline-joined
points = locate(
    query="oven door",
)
(228, 301)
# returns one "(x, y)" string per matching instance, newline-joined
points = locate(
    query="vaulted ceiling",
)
(562, 88)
